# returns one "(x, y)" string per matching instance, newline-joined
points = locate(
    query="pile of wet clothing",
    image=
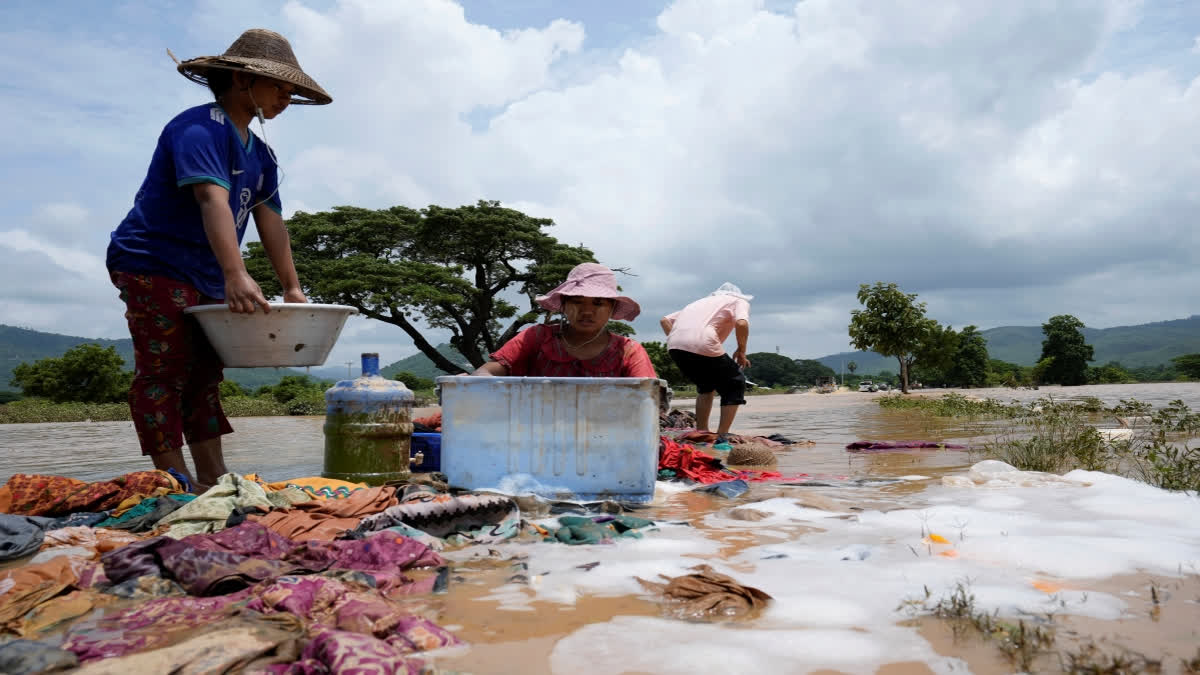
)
(305, 576)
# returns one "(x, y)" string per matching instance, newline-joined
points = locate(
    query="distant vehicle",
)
(826, 385)
(883, 386)
(867, 385)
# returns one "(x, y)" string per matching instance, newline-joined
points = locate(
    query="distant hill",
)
(420, 365)
(21, 345)
(1148, 344)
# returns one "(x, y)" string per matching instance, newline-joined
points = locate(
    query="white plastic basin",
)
(291, 334)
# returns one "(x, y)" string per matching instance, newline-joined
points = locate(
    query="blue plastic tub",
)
(430, 444)
(580, 438)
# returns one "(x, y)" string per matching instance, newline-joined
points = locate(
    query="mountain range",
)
(1148, 344)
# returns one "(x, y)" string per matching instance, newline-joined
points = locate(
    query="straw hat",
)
(261, 52)
(590, 280)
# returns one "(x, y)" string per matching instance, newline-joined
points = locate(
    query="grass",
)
(1060, 435)
(34, 410)
(1022, 642)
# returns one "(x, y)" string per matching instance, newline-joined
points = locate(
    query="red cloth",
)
(42, 495)
(688, 462)
(538, 352)
(434, 421)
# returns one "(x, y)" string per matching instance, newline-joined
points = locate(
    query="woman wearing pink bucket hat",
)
(580, 345)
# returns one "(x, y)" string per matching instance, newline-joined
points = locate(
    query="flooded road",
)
(840, 560)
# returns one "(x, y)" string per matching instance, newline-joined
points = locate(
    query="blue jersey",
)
(164, 233)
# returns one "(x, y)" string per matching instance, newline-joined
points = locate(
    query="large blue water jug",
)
(368, 427)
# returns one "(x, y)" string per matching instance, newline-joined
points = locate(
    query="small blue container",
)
(431, 445)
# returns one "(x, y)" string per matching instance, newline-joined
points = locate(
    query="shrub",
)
(308, 403)
(247, 406)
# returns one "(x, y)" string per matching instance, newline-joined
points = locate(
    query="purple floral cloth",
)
(335, 604)
(902, 445)
(241, 556)
(336, 651)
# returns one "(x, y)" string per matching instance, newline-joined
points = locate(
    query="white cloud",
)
(968, 151)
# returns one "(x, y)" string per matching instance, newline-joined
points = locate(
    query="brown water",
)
(507, 641)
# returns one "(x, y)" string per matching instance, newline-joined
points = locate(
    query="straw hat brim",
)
(308, 92)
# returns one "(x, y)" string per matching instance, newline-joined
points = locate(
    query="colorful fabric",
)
(432, 422)
(335, 651)
(23, 588)
(859, 446)
(240, 644)
(316, 487)
(163, 234)
(537, 351)
(45, 495)
(150, 625)
(679, 460)
(176, 376)
(703, 326)
(460, 519)
(334, 604)
(87, 542)
(326, 520)
(575, 530)
(210, 511)
(58, 610)
(27, 657)
(240, 556)
(145, 516)
(20, 535)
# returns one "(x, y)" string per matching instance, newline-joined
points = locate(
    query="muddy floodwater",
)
(1101, 562)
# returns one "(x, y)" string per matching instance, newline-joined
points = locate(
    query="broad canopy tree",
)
(87, 372)
(893, 324)
(447, 267)
(1067, 350)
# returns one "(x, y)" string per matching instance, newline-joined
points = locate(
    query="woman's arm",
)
(242, 293)
(274, 236)
(492, 369)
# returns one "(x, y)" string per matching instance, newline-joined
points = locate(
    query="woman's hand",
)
(294, 295)
(739, 357)
(243, 295)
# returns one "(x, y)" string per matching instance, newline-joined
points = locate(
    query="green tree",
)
(447, 267)
(851, 366)
(808, 370)
(1065, 344)
(291, 387)
(664, 365)
(971, 360)
(87, 372)
(414, 382)
(1188, 364)
(891, 323)
(769, 369)
(934, 356)
(1110, 373)
(230, 389)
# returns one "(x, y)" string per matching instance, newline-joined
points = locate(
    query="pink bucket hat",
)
(590, 280)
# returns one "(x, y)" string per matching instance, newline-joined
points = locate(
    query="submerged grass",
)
(1158, 447)
(1022, 642)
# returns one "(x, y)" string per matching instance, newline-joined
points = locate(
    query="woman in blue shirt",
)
(180, 244)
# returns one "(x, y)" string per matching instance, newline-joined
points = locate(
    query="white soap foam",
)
(840, 591)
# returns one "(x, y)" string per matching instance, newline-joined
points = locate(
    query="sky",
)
(1007, 162)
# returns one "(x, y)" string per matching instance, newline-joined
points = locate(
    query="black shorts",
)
(713, 373)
